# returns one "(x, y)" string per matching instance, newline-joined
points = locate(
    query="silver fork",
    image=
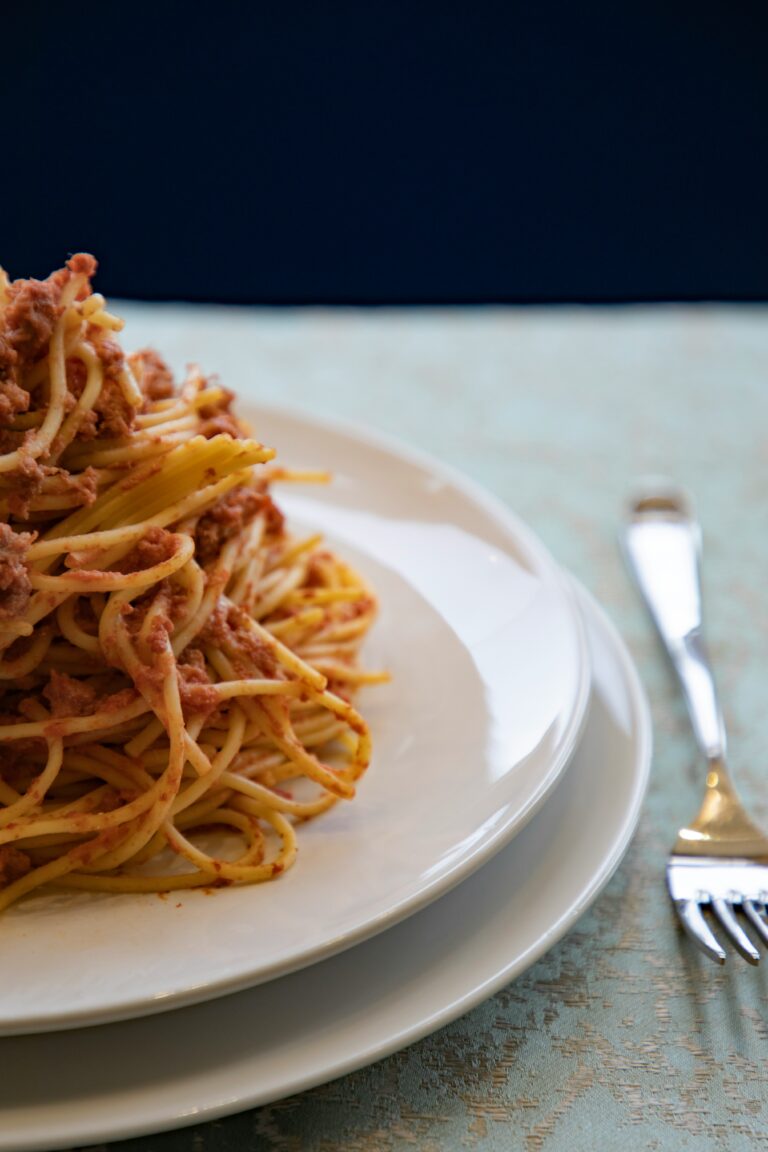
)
(719, 863)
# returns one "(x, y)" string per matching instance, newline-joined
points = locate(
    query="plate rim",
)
(537, 555)
(626, 824)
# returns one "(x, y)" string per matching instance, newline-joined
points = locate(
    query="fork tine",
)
(756, 920)
(697, 928)
(723, 909)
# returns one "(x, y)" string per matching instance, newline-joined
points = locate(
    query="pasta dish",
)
(173, 663)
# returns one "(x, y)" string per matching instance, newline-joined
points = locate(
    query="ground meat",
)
(82, 264)
(69, 697)
(26, 327)
(13, 399)
(154, 547)
(160, 630)
(28, 483)
(195, 689)
(229, 516)
(218, 419)
(85, 484)
(223, 404)
(77, 374)
(168, 601)
(225, 424)
(15, 588)
(228, 627)
(87, 429)
(110, 353)
(153, 375)
(317, 570)
(115, 414)
(13, 864)
(30, 317)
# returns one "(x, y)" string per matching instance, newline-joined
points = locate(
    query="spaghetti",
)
(172, 661)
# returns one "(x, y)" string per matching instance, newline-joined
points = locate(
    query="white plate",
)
(490, 685)
(125, 1079)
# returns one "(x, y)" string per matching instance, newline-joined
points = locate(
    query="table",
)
(621, 1036)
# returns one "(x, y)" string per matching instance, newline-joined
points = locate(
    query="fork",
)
(719, 862)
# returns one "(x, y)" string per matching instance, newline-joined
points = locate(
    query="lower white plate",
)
(197, 1063)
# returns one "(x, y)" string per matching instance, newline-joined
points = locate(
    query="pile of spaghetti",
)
(172, 662)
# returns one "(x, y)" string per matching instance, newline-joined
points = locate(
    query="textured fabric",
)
(621, 1037)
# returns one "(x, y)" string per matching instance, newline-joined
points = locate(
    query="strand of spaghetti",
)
(118, 760)
(234, 872)
(56, 869)
(227, 689)
(208, 396)
(104, 319)
(8, 795)
(53, 545)
(24, 664)
(267, 798)
(115, 776)
(92, 801)
(297, 475)
(145, 738)
(197, 463)
(245, 574)
(92, 304)
(82, 882)
(190, 579)
(46, 504)
(159, 797)
(129, 387)
(196, 756)
(71, 630)
(264, 604)
(342, 673)
(156, 817)
(157, 842)
(202, 815)
(307, 596)
(83, 823)
(84, 403)
(10, 630)
(217, 867)
(131, 661)
(194, 791)
(130, 453)
(303, 620)
(280, 651)
(139, 834)
(217, 578)
(39, 787)
(283, 736)
(99, 581)
(298, 549)
(98, 722)
(75, 285)
(157, 434)
(162, 483)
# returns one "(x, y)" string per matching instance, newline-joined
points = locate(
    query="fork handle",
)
(662, 543)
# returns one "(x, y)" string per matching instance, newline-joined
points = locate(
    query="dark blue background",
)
(389, 152)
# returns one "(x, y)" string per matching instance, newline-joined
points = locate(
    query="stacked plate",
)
(512, 755)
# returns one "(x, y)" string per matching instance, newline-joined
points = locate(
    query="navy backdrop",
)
(372, 152)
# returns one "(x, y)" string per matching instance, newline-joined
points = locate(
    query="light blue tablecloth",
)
(620, 1037)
